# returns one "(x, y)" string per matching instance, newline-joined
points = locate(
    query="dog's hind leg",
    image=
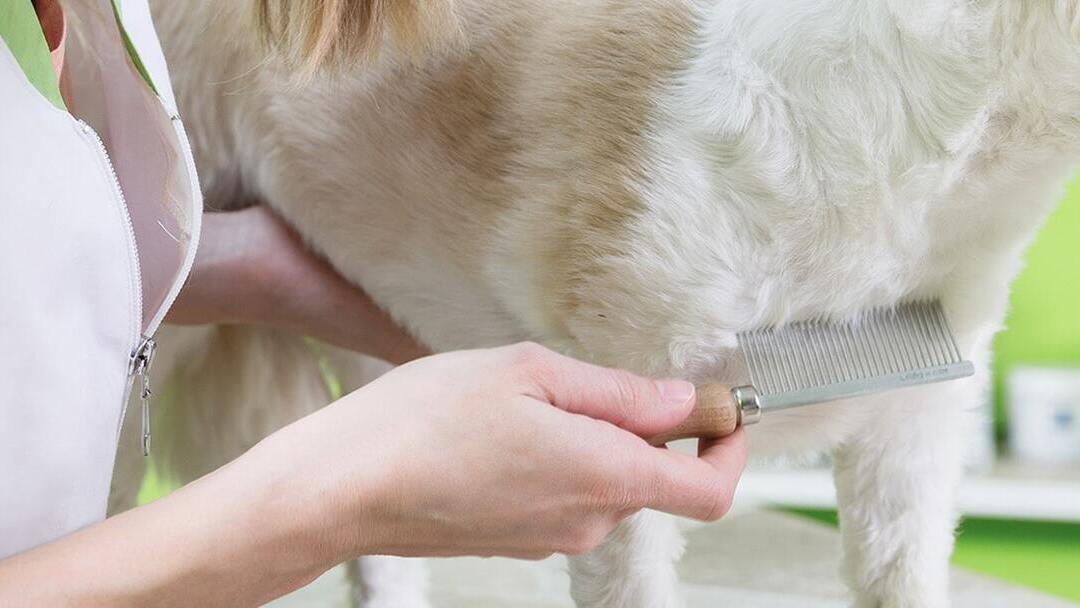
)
(388, 582)
(633, 568)
(895, 484)
(230, 387)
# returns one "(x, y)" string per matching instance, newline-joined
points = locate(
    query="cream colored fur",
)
(635, 182)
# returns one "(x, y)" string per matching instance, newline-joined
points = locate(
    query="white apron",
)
(99, 219)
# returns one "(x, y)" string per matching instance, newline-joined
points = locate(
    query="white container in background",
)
(1044, 415)
(983, 451)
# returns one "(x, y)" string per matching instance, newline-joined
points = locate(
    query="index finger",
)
(643, 406)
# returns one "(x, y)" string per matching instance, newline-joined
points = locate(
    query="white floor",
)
(750, 560)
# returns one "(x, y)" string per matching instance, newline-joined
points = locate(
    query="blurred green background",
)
(1035, 554)
(1043, 325)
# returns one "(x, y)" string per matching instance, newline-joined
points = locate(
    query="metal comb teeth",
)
(884, 348)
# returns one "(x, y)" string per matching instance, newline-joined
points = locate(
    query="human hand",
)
(515, 451)
(252, 268)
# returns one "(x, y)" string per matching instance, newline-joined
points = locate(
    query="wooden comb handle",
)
(716, 414)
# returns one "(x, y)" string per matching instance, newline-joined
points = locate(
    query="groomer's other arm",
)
(251, 268)
(514, 451)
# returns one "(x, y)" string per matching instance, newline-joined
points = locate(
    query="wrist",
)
(223, 540)
(227, 538)
(271, 522)
(310, 514)
(210, 543)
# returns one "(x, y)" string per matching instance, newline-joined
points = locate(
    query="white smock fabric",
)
(99, 219)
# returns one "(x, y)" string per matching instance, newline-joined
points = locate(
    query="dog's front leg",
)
(895, 484)
(633, 568)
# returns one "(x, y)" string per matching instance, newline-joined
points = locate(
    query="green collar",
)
(21, 32)
(134, 54)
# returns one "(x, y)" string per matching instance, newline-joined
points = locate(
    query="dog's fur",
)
(635, 182)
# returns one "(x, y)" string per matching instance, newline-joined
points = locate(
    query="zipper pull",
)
(141, 360)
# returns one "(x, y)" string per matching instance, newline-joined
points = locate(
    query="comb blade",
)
(883, 349)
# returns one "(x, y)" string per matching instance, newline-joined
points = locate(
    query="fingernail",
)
(675, 392)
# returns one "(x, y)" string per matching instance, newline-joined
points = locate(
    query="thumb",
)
(642, 406)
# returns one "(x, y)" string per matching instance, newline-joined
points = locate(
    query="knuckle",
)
(629, 395)
(616, 496)
(527, 355)
(659, 480)
(534, 366)
(628, 388)
(720, 506)
(528, 350)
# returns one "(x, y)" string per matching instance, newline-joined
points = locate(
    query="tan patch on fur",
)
(558, 108)
(547, 114)
(466, 108)
(525, 142)
(607, 102)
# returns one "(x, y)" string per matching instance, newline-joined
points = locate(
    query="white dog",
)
(633, 183)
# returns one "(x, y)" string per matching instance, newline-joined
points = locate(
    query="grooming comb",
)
(818, 361)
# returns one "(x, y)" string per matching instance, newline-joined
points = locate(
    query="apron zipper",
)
(142, 340)
(139, 366)
(142, 356)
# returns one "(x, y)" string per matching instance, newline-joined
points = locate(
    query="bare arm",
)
(251, 268)
(514, 451)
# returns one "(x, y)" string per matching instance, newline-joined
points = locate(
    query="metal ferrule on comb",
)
(818, 361)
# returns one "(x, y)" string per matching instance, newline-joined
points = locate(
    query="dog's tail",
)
(227, 387)
(219, 390)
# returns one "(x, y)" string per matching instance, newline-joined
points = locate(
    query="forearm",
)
(252, 269)
(323, 306)
(428, 460)
(209, 544)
